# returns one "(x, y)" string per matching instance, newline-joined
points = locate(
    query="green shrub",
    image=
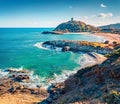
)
(112, 98)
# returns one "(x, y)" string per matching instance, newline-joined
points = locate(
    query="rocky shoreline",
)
(98, 84)
(79, 46)
(12, 88)
(91, 85)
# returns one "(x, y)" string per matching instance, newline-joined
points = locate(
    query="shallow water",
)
(21, 47)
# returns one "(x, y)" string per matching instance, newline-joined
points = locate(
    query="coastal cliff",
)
(99, 84)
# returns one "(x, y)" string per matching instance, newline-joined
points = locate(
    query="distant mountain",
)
(114, 26)
(75, 26)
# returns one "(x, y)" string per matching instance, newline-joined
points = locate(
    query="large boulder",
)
(65, 48)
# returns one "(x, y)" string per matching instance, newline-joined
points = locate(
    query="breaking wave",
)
(39, 45)
(36, 80)
(47, 47)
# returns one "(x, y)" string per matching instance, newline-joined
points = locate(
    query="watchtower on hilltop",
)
(72, 19)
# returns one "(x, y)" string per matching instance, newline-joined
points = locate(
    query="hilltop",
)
(72, 26)
(75, 26)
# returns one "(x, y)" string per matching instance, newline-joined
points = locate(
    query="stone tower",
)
(72, 19)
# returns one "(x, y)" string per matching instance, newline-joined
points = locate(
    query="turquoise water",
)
(17, 50)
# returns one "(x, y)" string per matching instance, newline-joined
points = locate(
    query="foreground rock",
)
(99, 84)
(56, 90)
(79, 46)
(12, 89)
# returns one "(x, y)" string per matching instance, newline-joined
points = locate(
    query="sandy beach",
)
(19, 99)
(107, 36)
(110, 37)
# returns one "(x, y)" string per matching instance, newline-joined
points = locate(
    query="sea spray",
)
(84, 61)
(46, 47)
(90, 59)
(39, 45)
(23, 47)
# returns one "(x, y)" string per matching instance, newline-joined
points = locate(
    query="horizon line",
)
(27, 27)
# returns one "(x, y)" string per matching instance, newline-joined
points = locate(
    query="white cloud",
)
(103, 6)
(104, 15)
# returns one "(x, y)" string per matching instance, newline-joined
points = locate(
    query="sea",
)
(21, 49)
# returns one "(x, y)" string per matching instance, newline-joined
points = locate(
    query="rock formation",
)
(79, 46)
(99, 84)
(13, 90)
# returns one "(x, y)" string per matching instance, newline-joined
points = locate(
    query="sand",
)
(110, 37)
(19, 99)
(107, 36)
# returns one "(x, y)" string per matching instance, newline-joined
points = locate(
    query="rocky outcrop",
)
(65, 48)
(52, 32)
(58, 89)
(79, 46)
(13, 85)
(75, 26)
(99, 84)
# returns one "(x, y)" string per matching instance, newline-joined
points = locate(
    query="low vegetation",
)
(99, 84)
(96, 44)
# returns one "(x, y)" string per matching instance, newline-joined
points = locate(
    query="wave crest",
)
(47, 47)
(39, 45)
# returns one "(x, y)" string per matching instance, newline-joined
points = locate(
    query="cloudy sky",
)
(49, 13)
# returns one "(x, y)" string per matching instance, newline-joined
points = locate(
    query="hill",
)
(72, 26)
(75, 26)
(115, 26)
(112, 28)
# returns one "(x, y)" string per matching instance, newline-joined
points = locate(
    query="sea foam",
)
(46, 47)
(84, 61)
(39, 45)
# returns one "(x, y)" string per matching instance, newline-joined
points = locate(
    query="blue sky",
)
(49, 13)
